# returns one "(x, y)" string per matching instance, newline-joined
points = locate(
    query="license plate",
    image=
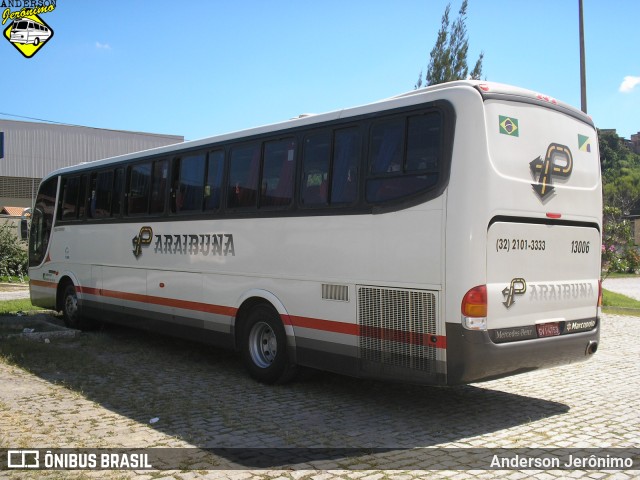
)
(548, 329)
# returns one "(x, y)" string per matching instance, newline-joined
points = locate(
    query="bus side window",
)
(101, 194)
(92, 195)
(423, 143)
(395, 173)
(346, 158)
(159, 186)
(386, 146)
(82, 196)
(277, 173)
(139, 189)
(70, 190)
(118, 190)
(315, 168)
(243, 176)
(188, 184)
(215, 166)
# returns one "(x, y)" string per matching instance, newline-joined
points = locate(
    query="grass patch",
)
(620, 275)
(9, 279)
(12, 307)
(619, 304)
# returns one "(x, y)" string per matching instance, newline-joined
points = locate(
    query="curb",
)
(38, 321)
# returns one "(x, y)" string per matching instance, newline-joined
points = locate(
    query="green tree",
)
(621, 187)
(620, 173)
(615, 155)
(623, 190)
(448, 59)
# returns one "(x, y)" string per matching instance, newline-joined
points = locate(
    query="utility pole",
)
(583, 73)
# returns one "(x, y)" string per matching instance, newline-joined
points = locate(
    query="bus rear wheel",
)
(264, 346)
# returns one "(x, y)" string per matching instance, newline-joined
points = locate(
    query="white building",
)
(28, 151)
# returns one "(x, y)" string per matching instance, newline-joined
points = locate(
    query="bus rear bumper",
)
(473, 357)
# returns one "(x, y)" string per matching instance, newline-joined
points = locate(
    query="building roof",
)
(31, 150)
(12, 211)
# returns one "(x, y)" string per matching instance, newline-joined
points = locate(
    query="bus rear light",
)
(547, 98)
(474, 302)
(599, 308)
(554, 215)
(472, 323)
(599, 293)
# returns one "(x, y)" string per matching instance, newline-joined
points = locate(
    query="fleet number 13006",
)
(579, 246)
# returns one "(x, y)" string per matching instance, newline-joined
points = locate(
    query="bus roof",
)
(487, 90)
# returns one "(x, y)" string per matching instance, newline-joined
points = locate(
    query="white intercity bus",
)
(449, 235)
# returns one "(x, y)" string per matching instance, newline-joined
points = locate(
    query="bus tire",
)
(36, 42)
(70, 309)
(264, 346)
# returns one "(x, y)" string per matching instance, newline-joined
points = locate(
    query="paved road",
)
(626, 286)
(109, 385)
(12, 291)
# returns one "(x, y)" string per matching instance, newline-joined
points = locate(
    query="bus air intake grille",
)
(395, 326)
(335, 292)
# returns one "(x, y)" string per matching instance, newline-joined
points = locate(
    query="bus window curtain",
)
(345, 173)
(389, 150)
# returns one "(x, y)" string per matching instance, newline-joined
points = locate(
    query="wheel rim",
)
(263, 345)
(71, 306)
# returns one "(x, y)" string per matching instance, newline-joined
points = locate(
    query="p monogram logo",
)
(558, 162)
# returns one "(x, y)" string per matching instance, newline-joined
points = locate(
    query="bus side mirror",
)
(24, 229)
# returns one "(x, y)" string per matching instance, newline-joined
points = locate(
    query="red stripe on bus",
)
(324, 325)
(40, 283)
(162, 301)
(400, 336)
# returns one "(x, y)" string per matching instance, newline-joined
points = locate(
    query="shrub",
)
(13, 254)
(618, 251)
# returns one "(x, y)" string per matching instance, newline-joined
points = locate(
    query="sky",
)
(199, 68)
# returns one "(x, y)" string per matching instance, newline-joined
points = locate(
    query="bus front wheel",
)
(70, 308)
(264, 346)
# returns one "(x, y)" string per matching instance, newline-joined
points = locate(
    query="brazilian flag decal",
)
(509, 126)
(584, 144)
